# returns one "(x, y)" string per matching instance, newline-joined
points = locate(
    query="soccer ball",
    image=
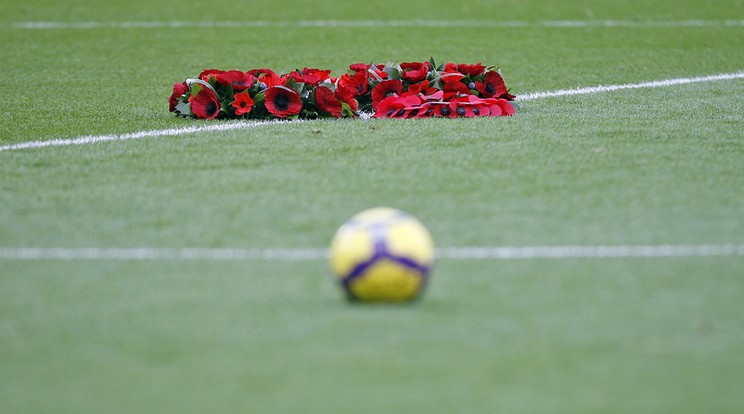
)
(382, 255)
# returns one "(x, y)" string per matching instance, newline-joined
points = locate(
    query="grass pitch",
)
(637, 167)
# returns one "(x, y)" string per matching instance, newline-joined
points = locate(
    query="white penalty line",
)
(608, 23)
(313, 254)
(231, 126)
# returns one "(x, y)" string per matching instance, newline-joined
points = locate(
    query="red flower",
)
(357, 84)
(400, 107)
(443, 109)
(267, 77)
(493, 86)
(283, 102)
(243, 82)
(506, 107)
(471, 70)
(205, 104)
(414, 71)
(359, 67)
(454, 89)
(347, 98)
(178, 90)
(467, 106)
(384, 89)
(207, 73)
(310, 76)
(239, 81)
(243, 103)
(450, 67)
(322, 74)
(327, 101)
(451, 74)
(420, 88)
(436, 96)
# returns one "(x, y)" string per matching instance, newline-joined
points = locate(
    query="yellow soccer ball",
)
(382, 255)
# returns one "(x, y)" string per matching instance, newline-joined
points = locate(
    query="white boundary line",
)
(52, 25)
(94, 139)
(314, 254)
(230, 126)
(643, 85)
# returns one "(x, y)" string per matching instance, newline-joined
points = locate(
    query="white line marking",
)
(93, 139)
(40, 25)
(144, 253)
(578, 252)
(643, 85)
(313, 254)
(230, 126)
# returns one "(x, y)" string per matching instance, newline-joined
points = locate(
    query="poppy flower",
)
(267, 77)
(357, 84)
(451, 73)
(347, 98)
(507, 109)
(441, 109)
(327, 101)
(491, 107)
(243, 103)
(243, 81)
(310, 76)
(207, 73)
(420, 88)
(471, 70)
(205, 104)
(322, 74)
(359, 67)
(414, 71)
(412, 105)
(178, 90)
(448, 77)
(238, 80)
(426, 111)
(399, 107)
(450, 67)
(384, 89)
(436, 96)
(388, 107)
(493, 86)
(283, 102)
(454, 89)
(468, 106)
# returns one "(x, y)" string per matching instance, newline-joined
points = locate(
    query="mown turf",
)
(639, 167)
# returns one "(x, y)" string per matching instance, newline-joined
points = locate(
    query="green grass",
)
(639, 167)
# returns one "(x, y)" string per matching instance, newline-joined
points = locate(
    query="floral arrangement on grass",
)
(405, 90)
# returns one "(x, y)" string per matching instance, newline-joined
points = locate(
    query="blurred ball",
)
(382, 255)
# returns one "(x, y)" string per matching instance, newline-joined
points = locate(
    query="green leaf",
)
(184, 108)
(259, 99)
(297, 86)
(393, 72)
(195, 89)
(346, 110)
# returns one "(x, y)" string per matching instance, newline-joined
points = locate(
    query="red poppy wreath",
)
(405, 90)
